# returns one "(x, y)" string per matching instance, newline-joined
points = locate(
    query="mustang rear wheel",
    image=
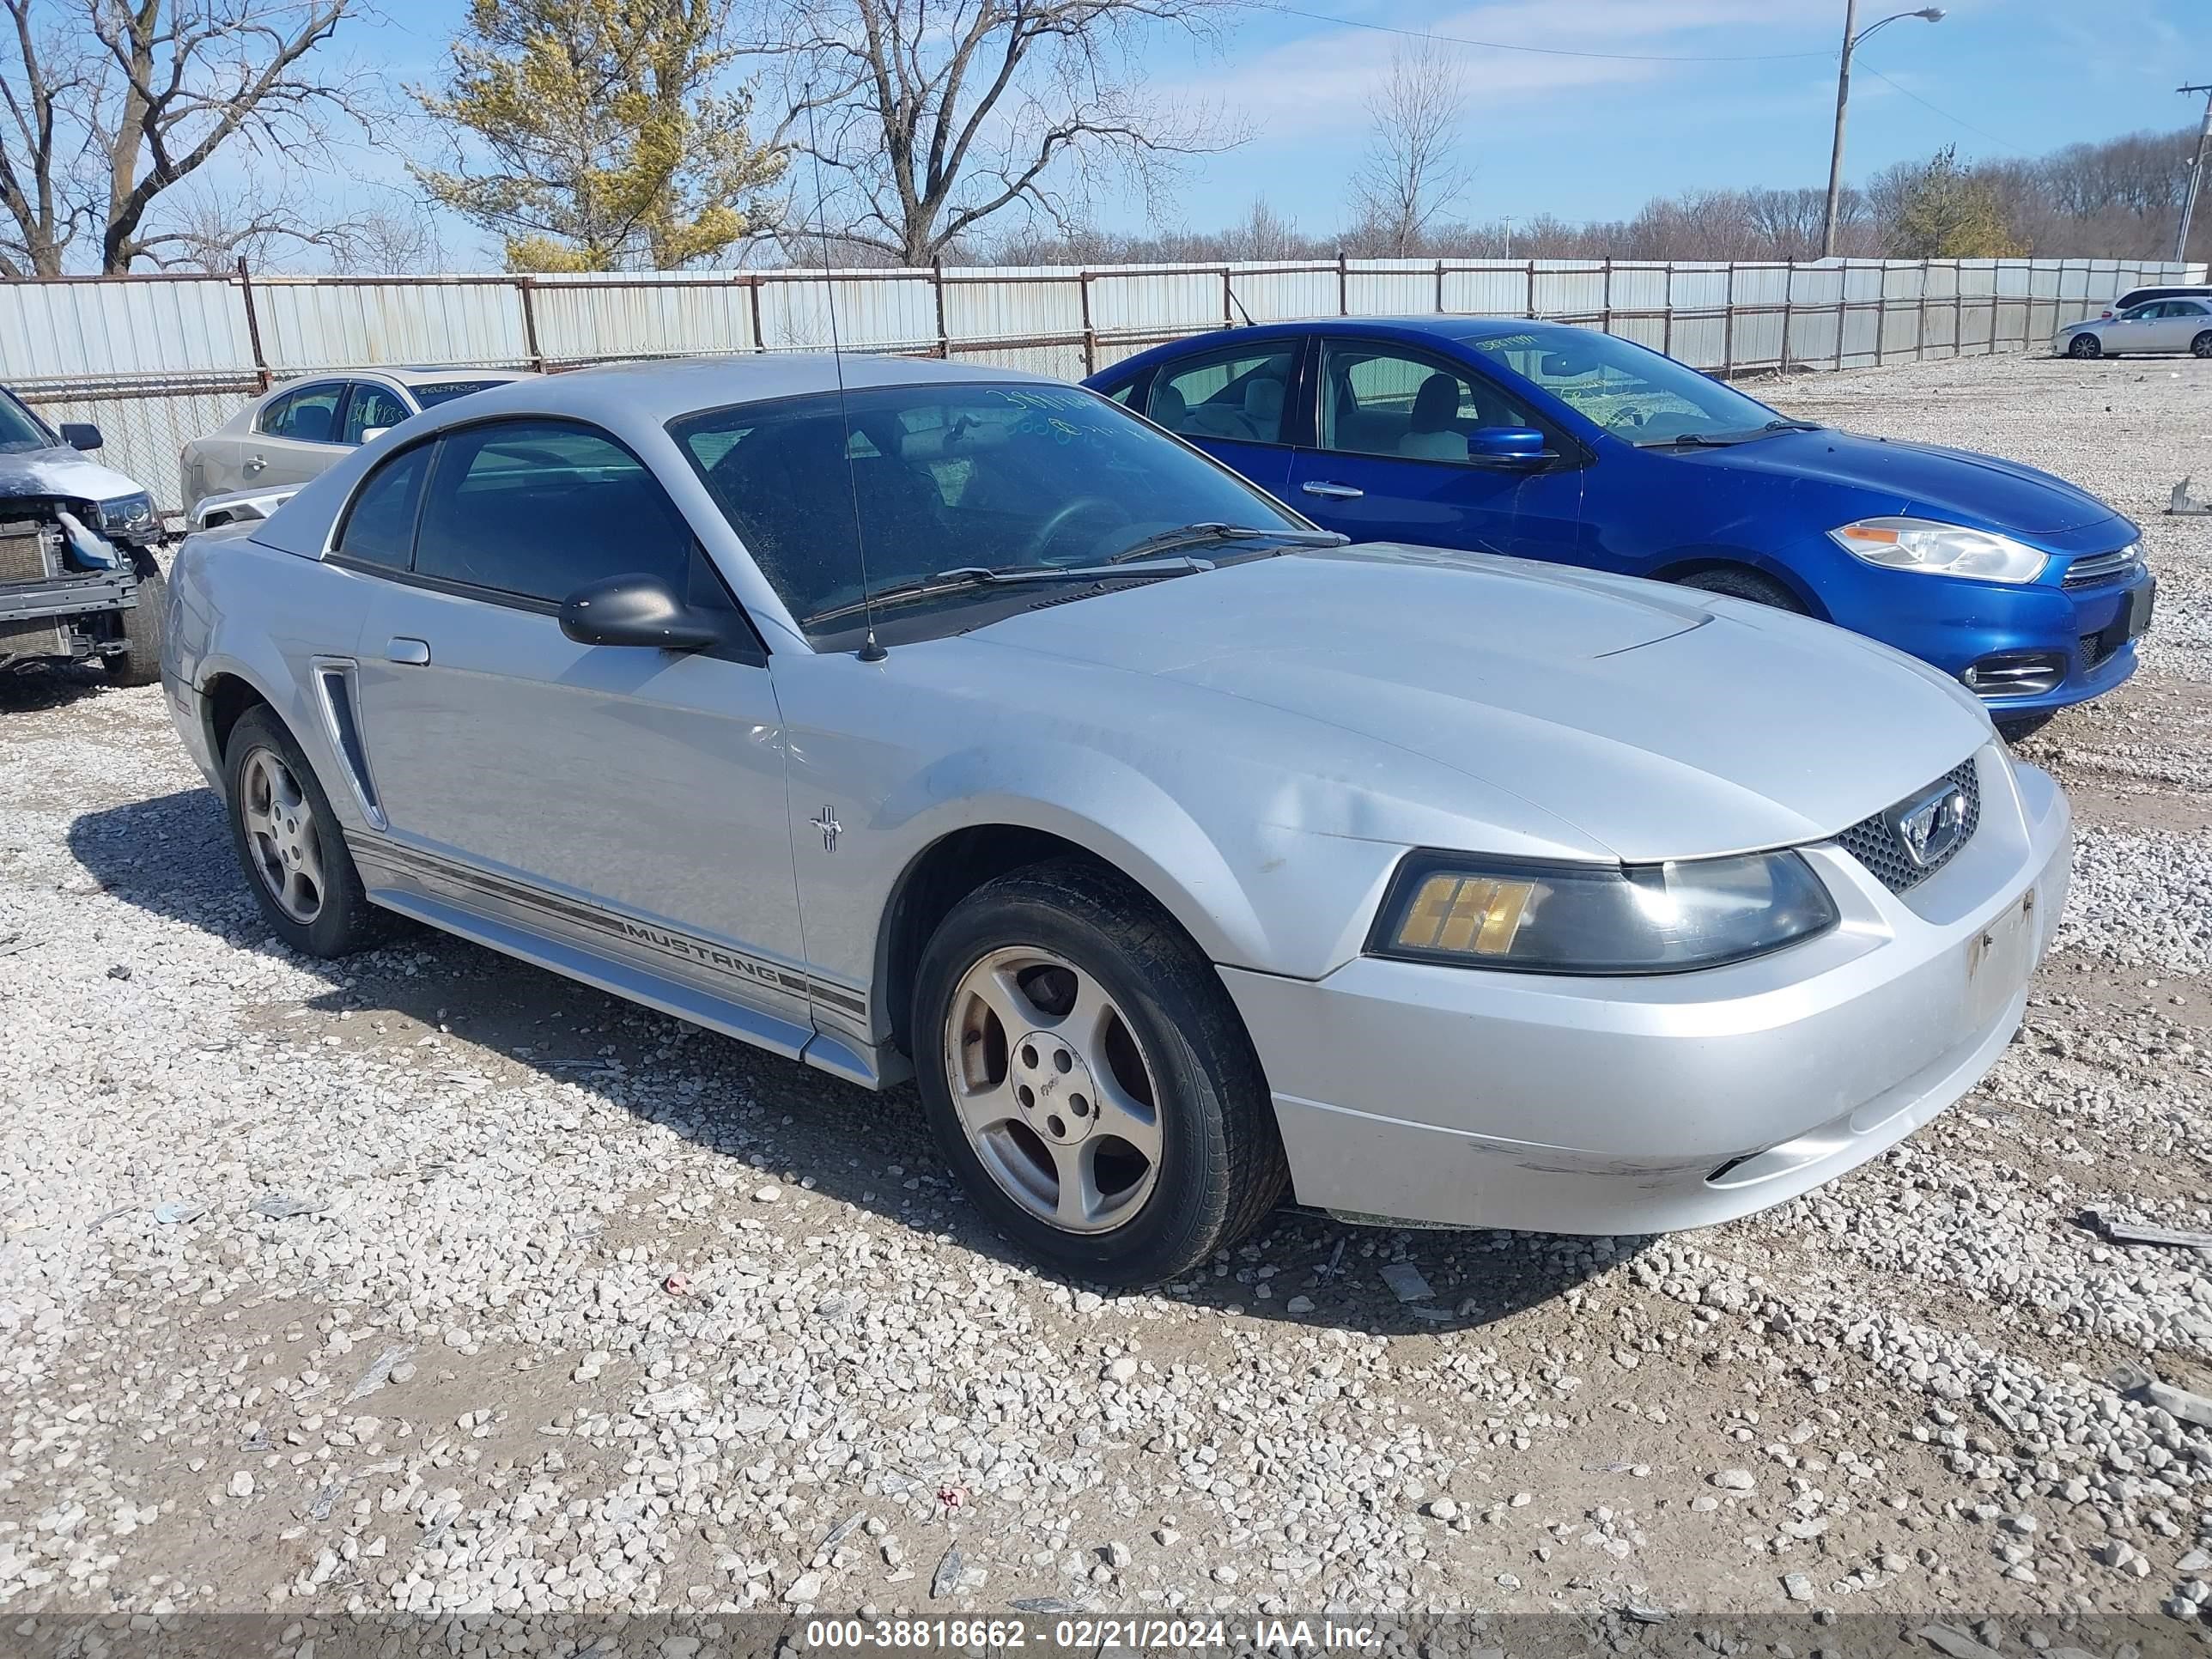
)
(291, 843)
(1087, 1078)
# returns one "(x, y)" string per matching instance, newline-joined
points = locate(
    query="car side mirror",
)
(369, 434)
(1521, 445)
(81, 435)
(635, 610)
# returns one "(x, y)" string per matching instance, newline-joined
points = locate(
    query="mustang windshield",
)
(1638, 394)
(1004, 478)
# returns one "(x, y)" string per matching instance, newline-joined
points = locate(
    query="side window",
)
(539, 508)
(371, 408)
(1236, 395)
(309, 416)
(380, 527)
(1381, 402)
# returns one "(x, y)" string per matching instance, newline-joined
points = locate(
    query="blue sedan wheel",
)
(1740, 583)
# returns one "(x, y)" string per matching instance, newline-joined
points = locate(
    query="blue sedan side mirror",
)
(1506, 443)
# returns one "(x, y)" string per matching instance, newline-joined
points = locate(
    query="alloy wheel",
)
(282, 835)
(1053, 1090)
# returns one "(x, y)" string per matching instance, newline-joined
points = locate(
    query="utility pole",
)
(2196, 174)
(1853, 35)
(1836, 154)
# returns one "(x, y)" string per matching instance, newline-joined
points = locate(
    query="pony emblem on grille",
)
(1928, 829)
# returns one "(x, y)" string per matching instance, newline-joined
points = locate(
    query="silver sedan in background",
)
(293, 432)
(2175, 325)
(960, 725)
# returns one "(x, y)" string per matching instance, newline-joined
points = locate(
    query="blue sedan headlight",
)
(1472, 912)
(1940, 549)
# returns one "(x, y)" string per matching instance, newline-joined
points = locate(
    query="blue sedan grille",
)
(2093, 568)
(1877, 843)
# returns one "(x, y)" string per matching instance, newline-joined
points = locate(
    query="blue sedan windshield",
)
(1637, 394)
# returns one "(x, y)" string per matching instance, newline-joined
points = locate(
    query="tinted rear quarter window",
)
(540, 509)
(380, 529)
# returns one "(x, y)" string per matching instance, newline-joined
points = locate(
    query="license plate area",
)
(2140, 605)
(1997, 962)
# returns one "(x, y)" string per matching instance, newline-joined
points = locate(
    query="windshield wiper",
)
(1788, 425)
(1697, 441)
(1192, 535)
(963, 577)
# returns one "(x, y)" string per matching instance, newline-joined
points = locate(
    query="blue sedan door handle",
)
(1336, 492)
(401, 649)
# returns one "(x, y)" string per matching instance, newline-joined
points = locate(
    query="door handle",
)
(254, 463)
(1336, 492)
(401, 649)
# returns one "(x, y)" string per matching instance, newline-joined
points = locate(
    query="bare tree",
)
(929, 117)
(1412, 175)
(387, 241)
(49, 77)
(111, 105)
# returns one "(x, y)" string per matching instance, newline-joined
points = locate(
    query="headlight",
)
(1585, 919)
(127, 512)
(1941, 550)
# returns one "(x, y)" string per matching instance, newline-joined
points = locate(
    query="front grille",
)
(1874, 841)
(2093, 567)
(29, 551)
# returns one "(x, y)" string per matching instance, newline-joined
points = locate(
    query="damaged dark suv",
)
(78, 578)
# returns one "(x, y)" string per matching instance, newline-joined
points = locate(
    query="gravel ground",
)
(428, 1281)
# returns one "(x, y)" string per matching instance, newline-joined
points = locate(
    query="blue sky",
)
(1591, 137)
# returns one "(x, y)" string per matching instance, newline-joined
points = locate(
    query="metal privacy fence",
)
(156, 360)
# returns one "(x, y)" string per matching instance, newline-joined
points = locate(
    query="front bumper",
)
(1957, 624)
(1459, 1097)
(68, 596)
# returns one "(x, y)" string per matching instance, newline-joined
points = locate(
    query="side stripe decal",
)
(683, 947)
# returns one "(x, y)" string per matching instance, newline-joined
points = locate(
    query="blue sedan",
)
(1547, 441)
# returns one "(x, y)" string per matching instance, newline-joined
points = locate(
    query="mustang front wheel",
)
(1088, 1078)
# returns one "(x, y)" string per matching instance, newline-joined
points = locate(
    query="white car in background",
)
(2174, 324)
(292, 432)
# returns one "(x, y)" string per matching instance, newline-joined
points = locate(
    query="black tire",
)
(1739, 583)
(2201, 345)
(2085, 346)
(1221, 1167)
(139, 663)
(2014, 728)
(344, 921)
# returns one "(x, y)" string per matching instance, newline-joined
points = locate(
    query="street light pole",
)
(2196, 176)
(1852, 36)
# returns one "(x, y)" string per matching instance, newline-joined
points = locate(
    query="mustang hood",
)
(1952, 484)
(1661, 723)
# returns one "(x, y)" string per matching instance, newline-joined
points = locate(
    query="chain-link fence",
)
(156, 360)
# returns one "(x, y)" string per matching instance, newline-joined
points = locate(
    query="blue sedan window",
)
(1638, 394)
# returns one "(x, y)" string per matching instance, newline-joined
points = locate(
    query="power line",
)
(1954, 120)
(1542, 51)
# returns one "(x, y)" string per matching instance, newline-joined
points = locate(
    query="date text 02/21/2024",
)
(1088, 1634)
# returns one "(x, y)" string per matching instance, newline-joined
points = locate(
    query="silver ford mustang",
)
(962, 724)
